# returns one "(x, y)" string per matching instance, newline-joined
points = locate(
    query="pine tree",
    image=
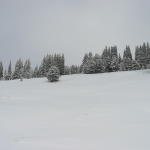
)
(99, 66)
(141, 55)
(85, 59)
(89, 67)
(119, 59)
(62, 64)
(1, 70)
(9, 71)
(135, 65)
(148, 54)
(114, 66)
(36, 72)
(127, 58)
(6, 77)
(106, 57)
(27, 69)
(114, 53)
(53, 74)
(67, 70)
(18, 73)
(127, 53)
(127, 64)
(122, 67)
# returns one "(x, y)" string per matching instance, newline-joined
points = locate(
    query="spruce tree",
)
(27, 69)
(114, 53)
(9, 71)
(99, 65)
(127, 53)
(106, 57)
(18, 73)
(53, 74)
(1, 70)
(89, 67)
(6, 77)
(148, 54)
(85, 59)
(36, 72)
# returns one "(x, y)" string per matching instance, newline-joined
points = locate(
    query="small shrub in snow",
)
(53, 74)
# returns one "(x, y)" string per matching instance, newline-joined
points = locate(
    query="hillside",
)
(109, 111)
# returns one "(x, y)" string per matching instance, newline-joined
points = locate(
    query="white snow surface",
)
(109, 111)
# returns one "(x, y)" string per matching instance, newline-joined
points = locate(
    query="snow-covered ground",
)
(109, 111)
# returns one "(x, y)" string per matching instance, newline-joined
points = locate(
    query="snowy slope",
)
(109, 111)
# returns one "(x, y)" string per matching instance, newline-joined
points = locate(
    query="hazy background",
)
(33, 28)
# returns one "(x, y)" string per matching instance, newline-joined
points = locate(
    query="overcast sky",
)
(33, 28)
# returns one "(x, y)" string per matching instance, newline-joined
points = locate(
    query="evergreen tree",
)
(114, 66)
(135, 65)
(119, 59)
(6, 76)
(89, 67)
(1, 70)
(122, 67)
(62, 64)
(67, 70)
(106, 57)
(114, 53)
(141, 55)
(127, 59)
(85, 59)
(99, 65)
(148, 54)
(27, 69)
(53, 74)
(127, 53)
(36, 72)
(18, 73)
(9, 71)
(127, 64)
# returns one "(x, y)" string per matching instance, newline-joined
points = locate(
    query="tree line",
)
(24, 69)
(109, 61)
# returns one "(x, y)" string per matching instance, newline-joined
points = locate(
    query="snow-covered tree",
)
(148, 54)
(99, 65)
(74, 69)
(122, 67)
(53, 74)
(127, 64)
(9, 74)
(18, 73)
(6, 76)
(36, 72)
(67, 70)
(135, 65)
(52, 60)
(114, 52)
(89, 67)
(114, 66)
(85, 58)
(27, 69)
(1, 70)
(127, 53)
(106, 57)
(141, 55)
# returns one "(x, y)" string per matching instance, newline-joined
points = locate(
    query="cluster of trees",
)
(74, 69)
(111, 61)
(24, 69)
(48, 61)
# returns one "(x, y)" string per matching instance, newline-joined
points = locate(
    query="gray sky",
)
(33, 28)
